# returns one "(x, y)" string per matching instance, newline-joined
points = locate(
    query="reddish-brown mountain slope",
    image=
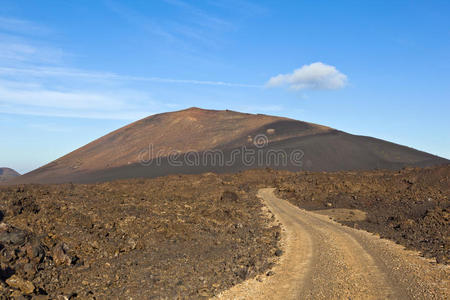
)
(118, 154)
(7, 174)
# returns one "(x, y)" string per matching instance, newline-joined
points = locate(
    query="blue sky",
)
(72, 71)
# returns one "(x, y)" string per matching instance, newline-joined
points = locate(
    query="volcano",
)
(197, 140)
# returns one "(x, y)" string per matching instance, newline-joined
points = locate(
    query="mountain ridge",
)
(7, 174)
(118, 154)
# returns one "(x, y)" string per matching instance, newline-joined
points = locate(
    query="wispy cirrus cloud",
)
(139, 20)
(27, 88)
(65, 92)
(201, 17)
(316, 76)
(37, 99)
(34, 80)
(15, 51)
(98, 115)
(22, 26)
(83, 74)
(75, 93)
(193, 29)
(20, 43)
(68, 92)
(40, 96)
(242, 7)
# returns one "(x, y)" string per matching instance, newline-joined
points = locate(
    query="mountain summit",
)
(7, 174)
(148, 148)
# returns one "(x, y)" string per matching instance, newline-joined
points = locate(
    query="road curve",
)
(325, 260)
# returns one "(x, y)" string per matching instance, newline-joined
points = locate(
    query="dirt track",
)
(325, 260)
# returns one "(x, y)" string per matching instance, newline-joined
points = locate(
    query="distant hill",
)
(147, 148)
(7, 174)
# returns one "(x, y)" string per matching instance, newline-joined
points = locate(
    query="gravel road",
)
(325, 260)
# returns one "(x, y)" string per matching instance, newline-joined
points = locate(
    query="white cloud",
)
(316, 76)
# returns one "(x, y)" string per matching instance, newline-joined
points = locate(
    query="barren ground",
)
(180, 236)
(195, 236)
(410, 206)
